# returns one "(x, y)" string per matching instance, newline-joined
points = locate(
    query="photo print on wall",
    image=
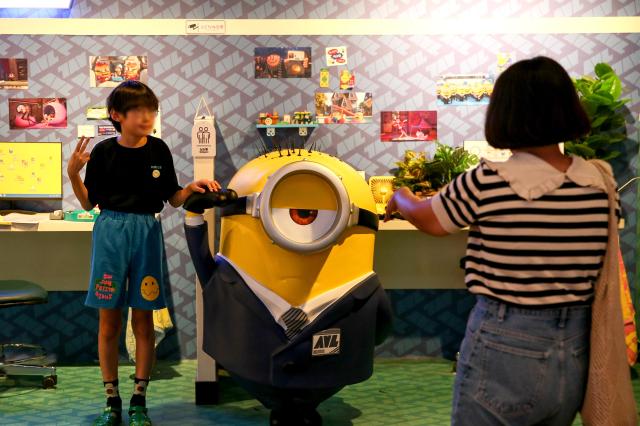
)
(109, 71)
(404, 126)
(464, 89)
(282, 62)
(37, 113)
(344, 107)
(14, 73)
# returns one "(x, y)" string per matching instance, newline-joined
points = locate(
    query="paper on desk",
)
(19, 218)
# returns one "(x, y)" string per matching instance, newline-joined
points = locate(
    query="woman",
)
(537, 236)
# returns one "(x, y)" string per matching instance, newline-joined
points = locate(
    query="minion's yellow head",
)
(303, 225)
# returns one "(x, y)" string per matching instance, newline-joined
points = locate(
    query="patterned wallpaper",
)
(400, 71)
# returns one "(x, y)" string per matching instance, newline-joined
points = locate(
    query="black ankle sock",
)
(115, 403)
(139, 397)
(113, 396)
(138, 400)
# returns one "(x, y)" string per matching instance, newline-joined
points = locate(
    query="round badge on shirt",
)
(155, 173)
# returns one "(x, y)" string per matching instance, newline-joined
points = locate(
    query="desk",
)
(406, 258)
(56, 254)
(47, 225)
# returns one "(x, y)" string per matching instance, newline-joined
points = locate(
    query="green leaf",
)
(611, 155)
(617, 122)
(617, 137)
(603, 69)
(597, 141)
(583, 87)
(605, 87)
(589, 106)
(600, 98)
(616, 86)
(583, 150)
(597, 122)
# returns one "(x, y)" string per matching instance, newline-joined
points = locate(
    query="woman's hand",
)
(392, 204)
(79, 157)
(202, 185)
(415, 210)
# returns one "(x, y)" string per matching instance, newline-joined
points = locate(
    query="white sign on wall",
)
(205, 26)
(203, 134)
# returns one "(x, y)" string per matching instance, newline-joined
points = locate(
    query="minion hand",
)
(199, 202)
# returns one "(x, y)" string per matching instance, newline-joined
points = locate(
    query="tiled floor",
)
(401, 392)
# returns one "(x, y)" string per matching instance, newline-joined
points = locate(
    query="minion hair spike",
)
(258, 148)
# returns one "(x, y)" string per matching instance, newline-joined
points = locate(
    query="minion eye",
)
(303, 225)
(303, 216)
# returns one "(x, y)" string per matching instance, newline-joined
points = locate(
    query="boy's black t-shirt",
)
(132, 180)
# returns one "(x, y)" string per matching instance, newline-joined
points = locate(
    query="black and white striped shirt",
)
(537, 236)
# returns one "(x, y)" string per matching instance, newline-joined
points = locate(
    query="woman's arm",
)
(416, 210)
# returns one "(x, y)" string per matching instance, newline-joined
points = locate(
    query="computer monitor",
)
(30, 170)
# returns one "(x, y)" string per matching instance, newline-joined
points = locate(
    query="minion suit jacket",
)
(242, 335)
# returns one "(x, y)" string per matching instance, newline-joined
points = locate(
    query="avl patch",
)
(327, 342)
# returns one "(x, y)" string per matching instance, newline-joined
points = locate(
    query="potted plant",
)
(600, 97)
(425, 176)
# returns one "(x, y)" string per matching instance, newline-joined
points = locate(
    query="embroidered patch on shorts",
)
(327, 342)
(105, 287)
(149, 288)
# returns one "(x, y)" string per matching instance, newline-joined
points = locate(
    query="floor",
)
(401, 392)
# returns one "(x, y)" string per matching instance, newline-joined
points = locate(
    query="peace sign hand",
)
(79, 157)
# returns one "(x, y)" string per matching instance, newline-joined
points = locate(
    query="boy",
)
(129, 177)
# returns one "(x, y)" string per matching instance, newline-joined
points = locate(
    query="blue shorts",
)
(127, 247)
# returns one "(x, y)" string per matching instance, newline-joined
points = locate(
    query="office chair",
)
(36, 362)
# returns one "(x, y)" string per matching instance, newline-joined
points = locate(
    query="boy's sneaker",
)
(138, 416)
(109, 417)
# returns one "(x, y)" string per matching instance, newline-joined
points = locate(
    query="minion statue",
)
(292, 307)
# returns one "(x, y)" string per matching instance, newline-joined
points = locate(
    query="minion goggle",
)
(302, 229)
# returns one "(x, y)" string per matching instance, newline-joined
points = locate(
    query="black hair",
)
(129, 95)
(534, 103)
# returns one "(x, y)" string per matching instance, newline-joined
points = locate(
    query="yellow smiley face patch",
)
(149, 288)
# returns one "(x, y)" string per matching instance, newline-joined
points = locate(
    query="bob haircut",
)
(129, 95)
(534, 103)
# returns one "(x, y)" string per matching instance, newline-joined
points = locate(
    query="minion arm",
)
(198, 243)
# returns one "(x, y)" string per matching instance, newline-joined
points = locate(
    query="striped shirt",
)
(537, 236)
